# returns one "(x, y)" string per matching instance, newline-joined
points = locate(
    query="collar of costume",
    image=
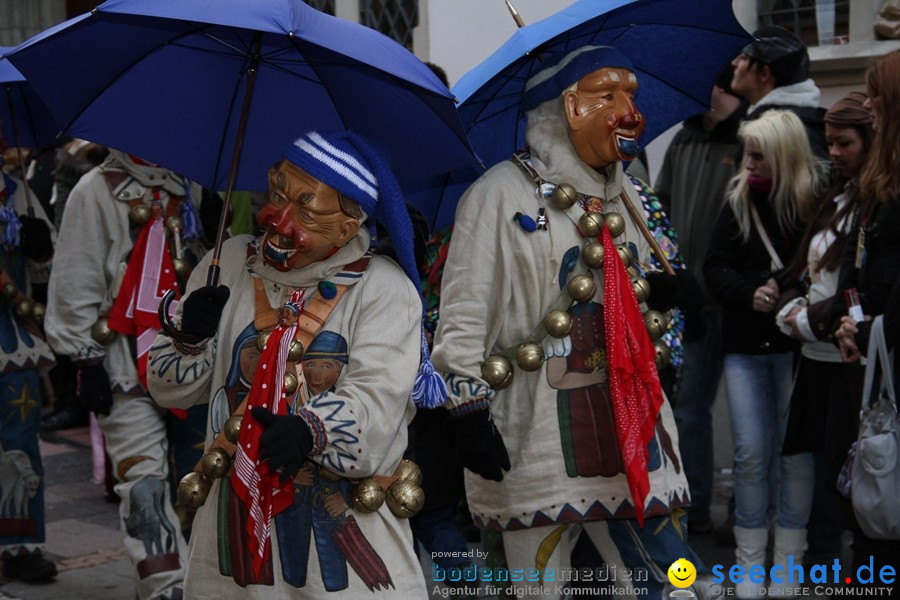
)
(149, 176)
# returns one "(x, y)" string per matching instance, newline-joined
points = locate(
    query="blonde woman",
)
(758, 231)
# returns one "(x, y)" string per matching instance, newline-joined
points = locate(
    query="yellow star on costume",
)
(675, 520)
(24, 402)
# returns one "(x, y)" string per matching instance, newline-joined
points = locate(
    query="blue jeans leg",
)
(692, 404)
(758, 398)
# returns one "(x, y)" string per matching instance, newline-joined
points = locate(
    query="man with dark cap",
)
(772, 72)
(691, 185)
(556, 399)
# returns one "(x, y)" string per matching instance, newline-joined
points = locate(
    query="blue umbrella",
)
(678, 48)
(24, 117)
(23, 114)
(166, 80)
(189, 83)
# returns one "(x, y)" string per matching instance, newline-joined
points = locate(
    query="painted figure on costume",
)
(313, 444)
(550, 339)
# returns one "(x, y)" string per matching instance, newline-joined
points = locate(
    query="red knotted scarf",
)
(633, 380)
(258, 487)
(149, 275)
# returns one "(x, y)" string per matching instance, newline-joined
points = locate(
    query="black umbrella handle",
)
(168, 327)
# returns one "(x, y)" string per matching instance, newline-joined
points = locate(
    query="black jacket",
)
(878, 281)
(735, 268)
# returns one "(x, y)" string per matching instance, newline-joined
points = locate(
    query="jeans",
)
(759, 388)
(692, 404)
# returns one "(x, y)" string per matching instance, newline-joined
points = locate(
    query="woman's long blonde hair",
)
(797, 175)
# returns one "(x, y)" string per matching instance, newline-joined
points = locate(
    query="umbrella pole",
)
(15, 132)
(212, 275)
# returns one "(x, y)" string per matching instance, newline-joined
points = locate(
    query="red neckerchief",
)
(259, 488)
(633, 380)
(149, 275)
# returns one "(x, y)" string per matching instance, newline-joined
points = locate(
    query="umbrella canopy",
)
(677, 47)
(166, 80)
(23, 114)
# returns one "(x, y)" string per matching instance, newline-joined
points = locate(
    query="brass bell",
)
(10, 290)
(23, 308)
(529, 357)
(497, 371)
(185, 517)
(663, 354)
(405, 498)
(193, 490)
(656, 323)
(38, 312)
(581, 288)
(232, 428)
(140, 214)
(174, 224)
(262, 338)
(564, 196)
(590, 224)
(632, 272)
(101, 333)
(592, 254)
(182, 267)
(641, 289)
(368, 496)
(215, 463)
(410, 471)
(615, 223)
(295, 352)
(625, 254)
(290, 383)
(558, 323)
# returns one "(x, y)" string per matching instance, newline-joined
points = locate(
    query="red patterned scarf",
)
(259, 488)
(633, 379)
(149, 275)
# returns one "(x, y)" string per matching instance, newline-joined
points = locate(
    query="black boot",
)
(30, 568)
(65, 418)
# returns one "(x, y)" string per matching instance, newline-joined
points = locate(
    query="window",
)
(394, 18)
(326, 6)
(799, 16)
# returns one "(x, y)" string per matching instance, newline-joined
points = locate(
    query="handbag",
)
(875, 474)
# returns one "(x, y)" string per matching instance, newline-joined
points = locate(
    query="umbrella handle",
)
(166, 323)
(22, 165)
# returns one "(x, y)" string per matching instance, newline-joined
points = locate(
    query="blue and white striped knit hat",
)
(360, 169)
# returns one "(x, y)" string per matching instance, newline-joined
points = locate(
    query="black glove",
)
(285, 443)
(36, 242)
(203, 309)
(668, 291)
(480, 447)
(93, 390)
